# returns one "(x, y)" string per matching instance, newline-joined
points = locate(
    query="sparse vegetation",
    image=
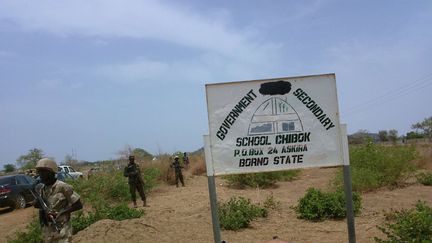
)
(374, 166)
(425, 178)
(118, 212)
(271, 203)
(108, 196)
(412, 225)
(318, 205)
(238, 212)
(32, 234)
(262, 180)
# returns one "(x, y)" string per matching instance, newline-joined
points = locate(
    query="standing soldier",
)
(186, 160)
(178, 173)
(132, 171)
(59, 201)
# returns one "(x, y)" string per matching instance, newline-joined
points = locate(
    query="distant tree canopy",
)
(141, 154)
(414, 135)
(9, 168)
(29, 160)
(393, 135)
(425, 126)
(362, 136)
(383, 135)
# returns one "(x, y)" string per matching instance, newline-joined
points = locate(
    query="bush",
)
(263, 180)
(413, 225)
(425, 178)
(122, 211)
(271, 203)
(33, 234)
(112, 187)
(198, 165)
(150, 177)
(117, 212)
(108, 196)
(318, 205)
(238, 212)
(374, 166)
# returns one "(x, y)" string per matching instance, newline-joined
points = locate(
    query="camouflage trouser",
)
(179, 175)
(51, 235)
(137, 186)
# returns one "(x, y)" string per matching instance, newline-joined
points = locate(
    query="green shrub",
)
(108, 196)
(413, 225)
(81, 221)
(425, 178)
(238, 212)
(122, 211)
(374, 166)
(270, 202)
(318, 205)
(151, 175)
(33, 234)
(263, 180)
(113, 187)
(116, 212)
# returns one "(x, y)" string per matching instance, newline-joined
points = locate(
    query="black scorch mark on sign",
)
(275, 88)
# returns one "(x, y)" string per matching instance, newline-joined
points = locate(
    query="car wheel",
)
(20, 202)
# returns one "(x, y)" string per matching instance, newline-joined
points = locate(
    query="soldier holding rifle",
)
(132, 171)
(56, 201)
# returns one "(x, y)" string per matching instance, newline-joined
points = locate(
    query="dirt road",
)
(13, 220)
(183, 214)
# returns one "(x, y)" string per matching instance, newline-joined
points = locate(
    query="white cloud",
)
(149, 19)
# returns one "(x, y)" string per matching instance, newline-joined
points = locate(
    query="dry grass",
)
(163, 164)
(424, 161)
(197, 165)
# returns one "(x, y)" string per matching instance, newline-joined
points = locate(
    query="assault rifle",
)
(44, 215)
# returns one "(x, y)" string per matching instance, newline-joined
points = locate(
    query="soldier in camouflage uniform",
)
(61, 201)
(178, 173)
(132, 171)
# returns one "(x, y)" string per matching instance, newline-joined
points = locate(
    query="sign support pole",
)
(212, 190)
(348, 185)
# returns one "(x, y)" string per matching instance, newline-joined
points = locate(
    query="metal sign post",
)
(212, 190)
(347, 185)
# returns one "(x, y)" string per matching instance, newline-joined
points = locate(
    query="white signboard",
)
(274, 124)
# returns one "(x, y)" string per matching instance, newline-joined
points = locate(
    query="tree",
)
(9, 168)
(29, 160)
(425, 126)
(414, 135)
(360, 137)
(141, 154)
(393, 135)
(383, 135)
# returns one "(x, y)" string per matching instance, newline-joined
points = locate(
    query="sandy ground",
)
(183, 214)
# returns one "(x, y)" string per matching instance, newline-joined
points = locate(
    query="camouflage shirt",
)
(58, 197)
(133, 172)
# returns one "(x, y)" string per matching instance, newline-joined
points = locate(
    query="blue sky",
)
(96, 75)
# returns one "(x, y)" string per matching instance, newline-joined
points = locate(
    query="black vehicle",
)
(15, 191)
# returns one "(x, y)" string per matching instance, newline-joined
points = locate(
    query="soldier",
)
(132, 171)
(178, 173)
(59, 201)
(186, 160)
